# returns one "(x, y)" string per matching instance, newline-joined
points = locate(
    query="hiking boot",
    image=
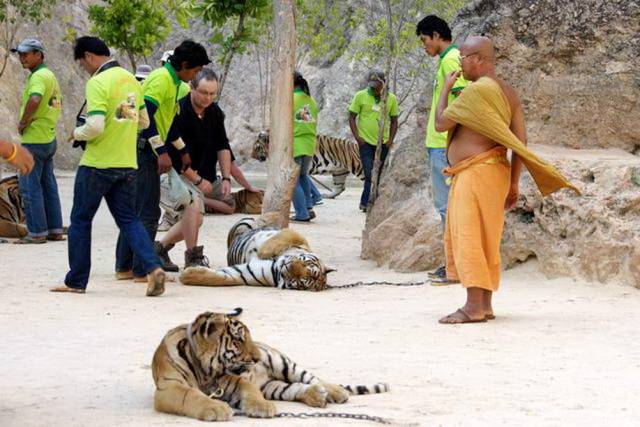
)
(155, 282)
(163, 254)
(167, 222)
(195, 258)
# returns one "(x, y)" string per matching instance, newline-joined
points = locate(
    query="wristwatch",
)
(199, 181)
(226, 178)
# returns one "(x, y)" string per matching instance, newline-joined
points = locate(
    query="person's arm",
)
(17, 155)
(224, 160)
(237, 174)
(442, 123)
(173, 136)
(93, 127)
(519, 130)
(203, 184)
(29, 110)
(354, 128)
(393, 129)
(151, 134)
(393, 116)
(143, 119)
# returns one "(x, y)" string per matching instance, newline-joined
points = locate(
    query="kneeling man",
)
(485, 121)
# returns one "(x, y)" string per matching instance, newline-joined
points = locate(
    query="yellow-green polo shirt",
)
(42, 129)
(116, 94)
(161, 89)
(305, 120)
(367, 107)
(448, 62)
(183, 90)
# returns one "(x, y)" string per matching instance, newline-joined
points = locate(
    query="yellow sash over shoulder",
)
(483, 108)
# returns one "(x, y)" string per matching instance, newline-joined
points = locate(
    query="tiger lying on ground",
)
(205, 368)
(263, 256)
(333, 156)
(12, 220)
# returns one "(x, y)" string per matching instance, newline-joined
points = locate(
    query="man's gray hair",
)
(205, 74)
(376, 75)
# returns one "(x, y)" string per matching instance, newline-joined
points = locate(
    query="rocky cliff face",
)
(575, 66)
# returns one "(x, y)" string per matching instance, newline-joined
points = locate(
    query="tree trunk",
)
(282, 172)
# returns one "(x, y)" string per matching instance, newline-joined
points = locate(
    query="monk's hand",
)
(450, 80)
(512, 197)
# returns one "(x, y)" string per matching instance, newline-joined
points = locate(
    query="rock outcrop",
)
(575, 66)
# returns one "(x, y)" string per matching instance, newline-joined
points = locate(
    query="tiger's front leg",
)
(249, 396)
(180, 399)
(256, 272)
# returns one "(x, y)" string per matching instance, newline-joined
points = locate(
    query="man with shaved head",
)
(482, 123)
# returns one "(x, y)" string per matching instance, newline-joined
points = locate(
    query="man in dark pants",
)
(161, 94)
(364, 115)
(115, 109)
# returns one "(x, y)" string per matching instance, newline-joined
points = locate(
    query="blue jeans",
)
(439, 182)
(302, 200)
(39, 191)
(147, 206)
(315, 194)
(367, 156)
(117, 186)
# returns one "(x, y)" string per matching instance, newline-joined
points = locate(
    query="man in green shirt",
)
(364, 115)
(435, 35)
(115, 110)
(162, 91)
(39, 113)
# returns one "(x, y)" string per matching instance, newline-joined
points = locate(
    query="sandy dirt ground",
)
(561, 352)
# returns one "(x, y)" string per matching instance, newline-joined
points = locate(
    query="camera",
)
(80, 121)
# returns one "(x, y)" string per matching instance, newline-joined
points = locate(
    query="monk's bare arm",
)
(442, 123)
(519, 130)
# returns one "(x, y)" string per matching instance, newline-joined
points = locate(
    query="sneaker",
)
(167, 222)
(363, 208)
(163, 254)
(312, 214)
(438, 277)
(195, 258)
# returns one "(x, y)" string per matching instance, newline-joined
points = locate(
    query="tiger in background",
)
(207, 367)
(12, 219)
(333, 156)
(258, 255)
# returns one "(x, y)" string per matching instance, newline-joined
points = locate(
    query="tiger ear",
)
(328, 270)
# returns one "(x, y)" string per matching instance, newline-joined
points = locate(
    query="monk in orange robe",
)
(483, 123)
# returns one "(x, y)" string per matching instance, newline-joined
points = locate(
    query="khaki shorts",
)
(217, 194)
(176, 193)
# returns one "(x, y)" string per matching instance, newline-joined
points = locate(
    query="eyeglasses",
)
(462, 57)
(203, 93)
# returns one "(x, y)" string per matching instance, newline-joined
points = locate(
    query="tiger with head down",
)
(207, 367)
(263, 256)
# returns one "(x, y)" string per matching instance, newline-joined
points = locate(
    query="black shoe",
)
(363, 208)
(312, 214)
(163, 254)
(438, 273)
(195, 258)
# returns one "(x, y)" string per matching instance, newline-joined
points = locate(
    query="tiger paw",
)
(215, 410)
(259, 408)
(315, 396)
(336, 394)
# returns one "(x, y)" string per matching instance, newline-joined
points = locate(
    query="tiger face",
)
(225, 342)
(261, 147)
(305, 271)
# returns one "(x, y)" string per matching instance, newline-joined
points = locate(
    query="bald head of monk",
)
(477, 58)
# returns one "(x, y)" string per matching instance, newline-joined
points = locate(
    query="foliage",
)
(15, 12)
(132, 26)
(236, 25)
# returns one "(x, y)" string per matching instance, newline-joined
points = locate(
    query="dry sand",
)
(561, 352)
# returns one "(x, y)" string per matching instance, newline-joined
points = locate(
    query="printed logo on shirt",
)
(375, 107)
(303, 115)
(54, 102)
(127, 109)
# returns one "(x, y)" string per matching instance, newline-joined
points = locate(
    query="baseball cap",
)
(166, 55)
(142, 71)
(28, 45)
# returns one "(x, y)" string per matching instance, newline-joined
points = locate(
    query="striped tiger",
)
(209, 367)
(333, 156)
(263, 256)
(11, 213)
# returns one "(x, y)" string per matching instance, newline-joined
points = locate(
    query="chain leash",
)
(357, 284)
(343, 415)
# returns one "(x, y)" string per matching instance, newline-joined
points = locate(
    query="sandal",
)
(459, 317)
(28, 240)
(65, 288)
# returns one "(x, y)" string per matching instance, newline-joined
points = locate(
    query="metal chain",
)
(362, 417)
(356, 284)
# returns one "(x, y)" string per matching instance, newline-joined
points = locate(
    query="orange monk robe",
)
(475, 212)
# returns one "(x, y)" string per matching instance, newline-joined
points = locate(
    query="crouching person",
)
(115, 110)
(184, 195)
